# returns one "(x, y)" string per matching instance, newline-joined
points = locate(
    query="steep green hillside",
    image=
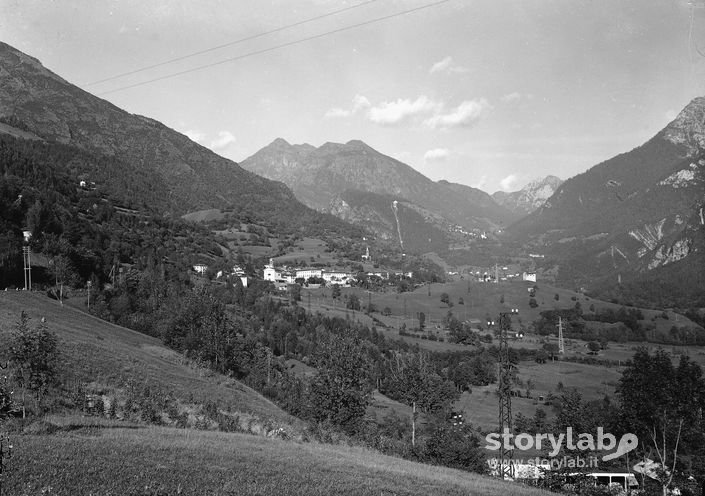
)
(95, 351)
(173, 174)
(419, 233)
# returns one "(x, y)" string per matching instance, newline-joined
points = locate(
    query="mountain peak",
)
(688, 128)
(359, 144)
(320, 177)
(530, 197)
(280, 142)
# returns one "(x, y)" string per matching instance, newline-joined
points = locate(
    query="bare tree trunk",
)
(413, 424)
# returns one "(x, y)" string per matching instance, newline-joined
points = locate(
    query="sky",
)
(487, 93)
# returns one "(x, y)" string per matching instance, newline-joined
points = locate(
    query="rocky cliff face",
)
(530, 197)
(630, 214)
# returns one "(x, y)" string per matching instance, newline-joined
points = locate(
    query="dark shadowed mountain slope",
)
(35, 101)
(399, 224)
(530, 197)
(318, 176)
(630, 214)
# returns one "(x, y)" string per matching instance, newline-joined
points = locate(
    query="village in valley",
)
(419, 247)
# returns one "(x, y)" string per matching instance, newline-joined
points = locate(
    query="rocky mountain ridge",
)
(530, 197)
(319, 176)
(629, 215)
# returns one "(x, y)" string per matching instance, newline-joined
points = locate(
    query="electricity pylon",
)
(506, 467)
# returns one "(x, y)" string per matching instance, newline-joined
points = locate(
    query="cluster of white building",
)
(236, 271)
(284, 275)
(289, 276)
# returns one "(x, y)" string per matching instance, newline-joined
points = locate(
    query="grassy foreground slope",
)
(99, 352)
(112, 460)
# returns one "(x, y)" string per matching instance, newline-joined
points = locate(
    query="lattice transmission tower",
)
(506, 455)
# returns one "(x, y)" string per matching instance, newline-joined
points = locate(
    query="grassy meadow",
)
(75, 457)
(480, 301)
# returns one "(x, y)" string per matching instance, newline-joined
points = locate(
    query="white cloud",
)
(418, 111)
(337, 112)
(401, 110)
(480, 183)
(224, 139)
(446, 65)
(359, 103)
(436, 154)
(509, 183)
(465, 115)
(511, 97)
(194, 135)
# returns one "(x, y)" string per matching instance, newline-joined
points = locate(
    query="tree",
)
(62, 269)
(445, 298)
(34, 354)
(551, 349)
(556, 297)
(342, 387)
(532, 303)
(353, 302)
(594, 347)
(455, 447)
(661, 404)
(541, 356)
(461, 301)
(7, 405)
(422, 320)
(335, 293)
(295, 293)
(412, 381)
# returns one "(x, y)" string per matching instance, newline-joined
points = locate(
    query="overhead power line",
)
(232, 43)
(275, 47)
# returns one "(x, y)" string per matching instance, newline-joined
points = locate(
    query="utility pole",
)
(561, 344)
(89, 284)
(27, 268)
(506, 467)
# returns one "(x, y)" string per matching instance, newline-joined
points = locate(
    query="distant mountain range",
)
(626, 226)
(530, 197)
(633, 213)
(183, 176)
(324, 177)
